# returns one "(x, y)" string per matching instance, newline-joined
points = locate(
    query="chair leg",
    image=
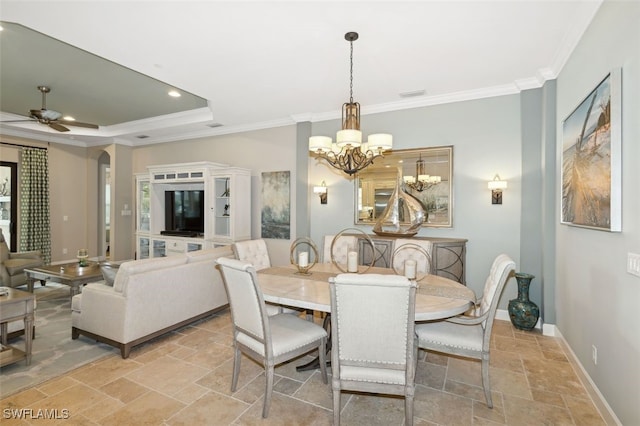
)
(336, 403)
(408, 407)
(236, 369)
(408, 411)
(322, 355)
(485, 381)
(269, 372)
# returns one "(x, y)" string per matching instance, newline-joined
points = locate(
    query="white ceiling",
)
(251, 65)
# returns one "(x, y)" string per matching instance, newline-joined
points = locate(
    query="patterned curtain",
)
(35, 229)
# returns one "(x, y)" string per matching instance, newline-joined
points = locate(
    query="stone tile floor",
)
(184, 378)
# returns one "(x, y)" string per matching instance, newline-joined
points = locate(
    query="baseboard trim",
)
(594, 393)
(608, 415)
(501, 314)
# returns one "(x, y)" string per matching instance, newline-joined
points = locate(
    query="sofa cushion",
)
(15, 266)
(144, 265)
(109, 271)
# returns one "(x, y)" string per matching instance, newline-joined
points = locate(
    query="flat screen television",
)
(184, 212)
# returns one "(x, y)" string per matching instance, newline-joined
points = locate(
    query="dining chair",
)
(408, 249)
(255, 252)
(373, 343)
(270, 340)
(340, 249)
(470, 335)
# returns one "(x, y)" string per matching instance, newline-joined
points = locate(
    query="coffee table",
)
(16, 305)
(71, 274)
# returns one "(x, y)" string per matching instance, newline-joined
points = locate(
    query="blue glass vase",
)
(524, 313)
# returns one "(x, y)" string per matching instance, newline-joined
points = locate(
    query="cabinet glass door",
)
(144, 205)
(143, 248)
(222, 210)
(159, 248)
(194, 246)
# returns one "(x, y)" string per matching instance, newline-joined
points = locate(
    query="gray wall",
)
(596, 300)
(486, 139)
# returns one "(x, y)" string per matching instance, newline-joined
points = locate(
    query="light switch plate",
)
(633, 264)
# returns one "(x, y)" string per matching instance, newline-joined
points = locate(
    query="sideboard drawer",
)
(384, 250)
(448, 256)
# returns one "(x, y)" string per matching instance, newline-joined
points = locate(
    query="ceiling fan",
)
(50, 117)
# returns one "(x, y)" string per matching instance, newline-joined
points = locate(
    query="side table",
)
(16, 305)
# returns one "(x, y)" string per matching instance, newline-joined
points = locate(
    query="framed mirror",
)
(426, 174)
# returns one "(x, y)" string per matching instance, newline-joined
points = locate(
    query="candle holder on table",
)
(352, 252)
(83, 257)
(301, 259)
(412, 254)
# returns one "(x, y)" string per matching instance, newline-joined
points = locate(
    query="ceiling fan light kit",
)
(50, 117)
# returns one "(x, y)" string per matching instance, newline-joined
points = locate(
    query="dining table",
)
(436, 297)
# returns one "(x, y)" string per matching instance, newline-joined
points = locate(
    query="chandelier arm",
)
(350, 160)
(421, 185)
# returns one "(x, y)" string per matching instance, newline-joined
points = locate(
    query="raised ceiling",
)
(251, 65)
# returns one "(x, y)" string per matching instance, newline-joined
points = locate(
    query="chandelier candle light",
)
(348, 153)
(422, 180)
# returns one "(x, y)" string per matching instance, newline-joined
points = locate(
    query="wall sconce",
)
(322, 191)
(496, 186)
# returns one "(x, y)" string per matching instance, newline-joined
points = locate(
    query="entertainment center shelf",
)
(191, 206)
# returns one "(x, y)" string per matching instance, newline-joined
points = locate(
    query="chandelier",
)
(348, 153)
(421, 181)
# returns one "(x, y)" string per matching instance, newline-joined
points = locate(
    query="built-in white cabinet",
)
(229, 216)
(191, 206)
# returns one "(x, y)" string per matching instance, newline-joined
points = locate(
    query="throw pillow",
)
(109, 271)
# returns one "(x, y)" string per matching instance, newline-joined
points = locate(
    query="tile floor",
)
(184, 378)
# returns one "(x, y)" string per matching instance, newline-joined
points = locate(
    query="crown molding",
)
(573, 35)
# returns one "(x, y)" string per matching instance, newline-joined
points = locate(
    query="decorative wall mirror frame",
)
(374, 185)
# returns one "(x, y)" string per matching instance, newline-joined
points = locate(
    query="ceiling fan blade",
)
(58, 127)
(80, 124)
(17, 121)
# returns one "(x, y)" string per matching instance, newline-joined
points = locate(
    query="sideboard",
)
(447, 257)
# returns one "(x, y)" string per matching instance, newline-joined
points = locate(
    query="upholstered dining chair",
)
(255, 252)
(269, 340)
(470, 336)
(340, 248)
(373, 343)
(418, 250)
